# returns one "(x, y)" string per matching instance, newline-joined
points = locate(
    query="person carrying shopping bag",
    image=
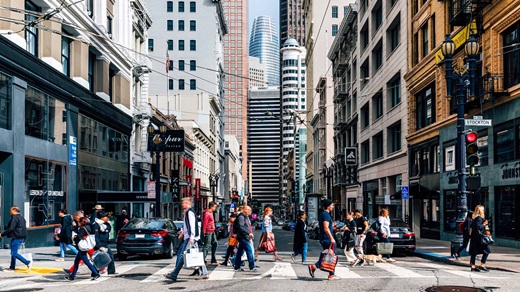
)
(477, 245)
(17, 231)
(232, 241)
(384, 232)
(267, 238)
(83, 234)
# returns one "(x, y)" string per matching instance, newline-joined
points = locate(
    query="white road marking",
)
(221, 273)
(120, 270)
(280, 271)
(345, 273)
(158, 276)
(399, 271)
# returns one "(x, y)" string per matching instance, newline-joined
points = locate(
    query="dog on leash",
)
(371, 259)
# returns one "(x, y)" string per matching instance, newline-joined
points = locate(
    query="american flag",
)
(167, 62)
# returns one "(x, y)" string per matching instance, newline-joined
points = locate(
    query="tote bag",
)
(329, 260)
(385, 248)
(193, 258)
(87, 243)
(26, 255)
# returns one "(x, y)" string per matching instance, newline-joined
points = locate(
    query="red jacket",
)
(208, 222)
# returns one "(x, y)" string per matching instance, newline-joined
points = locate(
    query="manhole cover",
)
(134, 275)
(454, 289)
(177, 288)
(25, 290)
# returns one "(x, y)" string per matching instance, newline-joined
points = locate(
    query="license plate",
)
(139, 236)
(394, 235)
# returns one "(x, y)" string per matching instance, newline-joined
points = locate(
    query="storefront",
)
(138, 204)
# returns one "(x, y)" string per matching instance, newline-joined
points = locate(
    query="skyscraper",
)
(256, 72)
(235, 66)
(292, 21)
(264, 45)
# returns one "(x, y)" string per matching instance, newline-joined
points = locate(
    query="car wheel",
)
(170, 253)
(122, 257)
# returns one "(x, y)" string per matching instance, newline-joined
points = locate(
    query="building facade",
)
(292, 21)
(235, 66)
(264, 44)
(256, 72)
(264, 128)
(235, 184)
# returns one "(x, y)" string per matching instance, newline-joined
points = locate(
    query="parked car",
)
(222, 230)
(280, 222)
(402, 236)
(149, 236)
(313, 230)
(289, 225)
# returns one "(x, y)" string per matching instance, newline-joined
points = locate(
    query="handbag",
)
(486, 239)
(87, 243)
(233, 241)
(269, 245)
(57, 231)
(100, 259)
(351, 243)
(193, 257)
(329, 260)
(385, 248)
(25, 255)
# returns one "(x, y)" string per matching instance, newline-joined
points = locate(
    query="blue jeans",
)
(15, 246)
(63, 249)
(82, 256)
(325, 244)
(244, 245)
(303, 253)
(179, 263)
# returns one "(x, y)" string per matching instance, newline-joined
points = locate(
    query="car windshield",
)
(144, 224)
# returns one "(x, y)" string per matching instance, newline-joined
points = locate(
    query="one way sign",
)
(350, 155)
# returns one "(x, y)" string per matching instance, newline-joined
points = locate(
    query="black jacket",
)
(241, 227)
(475, 246)
(300, 236)
(102, 237)
(65, 235)
(16, 228)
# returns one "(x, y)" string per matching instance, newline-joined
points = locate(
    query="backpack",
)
(464, 225)
(376, 226)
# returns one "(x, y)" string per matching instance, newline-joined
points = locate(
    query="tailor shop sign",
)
(171, 141)
(510, 171)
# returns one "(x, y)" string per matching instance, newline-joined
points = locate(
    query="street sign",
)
(151, 189)
(175, 183)
(350, 155)
(405, 195)
(478, 122)
(197, 189)
(73, 153)
(231, 207)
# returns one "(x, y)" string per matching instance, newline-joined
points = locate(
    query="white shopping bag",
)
(193, 258)
(467, 246)
(26, 255)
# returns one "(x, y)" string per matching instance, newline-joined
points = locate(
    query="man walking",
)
(326, 236)
(65, 236)
(101, 228)
(245, 236)
(17, 230)
(208, 231)
(361, 231)
(190, 233)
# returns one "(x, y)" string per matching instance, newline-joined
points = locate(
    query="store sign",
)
(40, 193)
(510, 171)
(171, 141)
(175, 184)
(151, 189)
(312, 209)
(350, 155)
(197, 189)
(73, 151)
(458, 40)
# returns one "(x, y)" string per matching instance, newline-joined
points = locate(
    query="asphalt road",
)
(145, 274)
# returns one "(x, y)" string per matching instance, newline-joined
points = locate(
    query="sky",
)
(264, 7)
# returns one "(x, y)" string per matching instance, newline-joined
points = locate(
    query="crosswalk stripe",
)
(280, 271)
(121, 270)
(345, 273)
(158, 276)
(399, 271)
(221, 273)
(467, 274)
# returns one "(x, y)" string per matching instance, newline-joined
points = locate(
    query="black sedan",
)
(149, 236)
(401, 235)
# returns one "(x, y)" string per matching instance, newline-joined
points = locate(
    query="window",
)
(91, 64)
(394, 137)
(193, 45)
(424, 34)
(5, 101)
(65, 55)
(482, 143)
(378, 17)
(425, 160)
(170, 67)
(394, 91)
(170, 45)
(43, 114)
(365, 38)
(170, 84)
(345, 10)
(150, 45)
(181, 84)
(511, 54)
(193, 65)
(180, 7)
(169, 25)
(378, 146)
(425, 111)
(181, 65)
(377, 103)
(31, 32)
(449, 158)
(505, 145)
(180, 25)
(193, 6)
(181, 45)
(365, 152)
(193, 84)
(415, 49)
(377, 57)
(334, 11)
(193, 25)
(169, 6)
(109, 26)
(365, 73)
(334, 29)
(507, 201)
(393, 34)
(365, 116)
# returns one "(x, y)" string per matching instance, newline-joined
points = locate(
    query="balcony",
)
(461, 12)
(340, 65)
(490, 86)
(340, 93)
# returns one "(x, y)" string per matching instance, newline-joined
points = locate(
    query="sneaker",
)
(8, 270)
(168, 276)
(95, 277)
(29, 266)
(312, 268)
(363, 262)
(69, 278)
(483, 269)
(255, 269)
(59, 260)
(292, 258)
(355, 263)
(456, 256)
(334, 277)
(390, 260)
(238, 270)
(66, 271)
(203, 278)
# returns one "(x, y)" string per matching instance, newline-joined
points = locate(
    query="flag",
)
(167, 62)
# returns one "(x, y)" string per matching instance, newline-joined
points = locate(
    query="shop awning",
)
(93, 196)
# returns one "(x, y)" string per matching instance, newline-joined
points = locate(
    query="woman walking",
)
(350, 231)
(82, 255)
(267, 234)
(466, 226)
(232, 241)
(300, 238)
(384, 233)
(476, 247)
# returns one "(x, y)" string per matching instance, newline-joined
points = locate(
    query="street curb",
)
(449, 260)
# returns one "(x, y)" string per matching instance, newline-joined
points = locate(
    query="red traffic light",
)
(471, 137)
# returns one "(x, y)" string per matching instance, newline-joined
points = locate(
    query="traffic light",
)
(472, 158)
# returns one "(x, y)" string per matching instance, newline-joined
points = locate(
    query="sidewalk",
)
(501, 258)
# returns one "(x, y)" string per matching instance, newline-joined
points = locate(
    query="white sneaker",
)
(390, 260)
(29, 266)
(334, 277)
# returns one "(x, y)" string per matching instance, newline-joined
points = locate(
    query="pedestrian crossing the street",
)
(146, 273)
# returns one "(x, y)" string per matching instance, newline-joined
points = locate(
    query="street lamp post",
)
(463, 80)
(156, 145)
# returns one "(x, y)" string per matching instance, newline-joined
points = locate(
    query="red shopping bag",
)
(268, 244)
(329, 260)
